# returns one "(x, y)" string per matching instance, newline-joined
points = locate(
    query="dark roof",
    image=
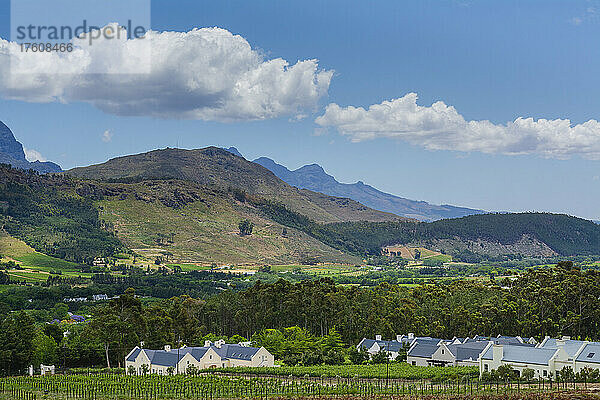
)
(422, 350)
(590, 353)
(570, 346)
(134, 354)
(467, 351)
(523, 354)
(171, 358)
(428, 341)
(236, 351)
(387, 345)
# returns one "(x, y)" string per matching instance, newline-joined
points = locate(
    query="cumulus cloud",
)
(441, 127)
(33, 155)
(107, 136)
(207, 74)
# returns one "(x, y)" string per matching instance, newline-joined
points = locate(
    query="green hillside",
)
(201, 225)
(46, 213)
(219, 169)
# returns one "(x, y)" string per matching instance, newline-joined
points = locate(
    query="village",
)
(525, 356)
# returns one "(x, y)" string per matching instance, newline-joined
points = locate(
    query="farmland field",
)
(391, 370)
(110, 386)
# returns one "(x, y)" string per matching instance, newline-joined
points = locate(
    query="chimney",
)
(207, 343)
(219, 343)
(566, 338)
(378, 337)
(498, 352)
(399, 338)
(560, 343)
(167, 347)
(411, 336)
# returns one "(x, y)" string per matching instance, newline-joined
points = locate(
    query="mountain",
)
(12, 153)
(313, 177)
(218, 168)
(234, 151)
(189, 222)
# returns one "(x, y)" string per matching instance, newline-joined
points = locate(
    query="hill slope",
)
(79, 220)
(11, 152)
(314, 178)
(528, 234)
(218, 168)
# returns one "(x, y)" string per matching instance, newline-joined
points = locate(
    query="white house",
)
(587, 357)
(211, 355)
(392, 347)
(546, 359)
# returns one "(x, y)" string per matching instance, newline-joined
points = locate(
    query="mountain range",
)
(313, 177)
(188, 204)
(12, 153)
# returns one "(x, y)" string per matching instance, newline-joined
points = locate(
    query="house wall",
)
(442, 354)
(419, 361)
(141, 359)
(262, 358)
(579, 365)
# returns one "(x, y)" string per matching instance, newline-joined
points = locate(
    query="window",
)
(414, 363)
(591, 355)
(545, 373)
(210, 356)
(442, 351)
(486, 368)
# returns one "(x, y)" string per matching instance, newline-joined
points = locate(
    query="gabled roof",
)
(522, 354)
(570, 346)
(428, 341)
(469, 351)
(172, 357)
(236, 351)
(590, 353)
(133, 355)
(387, 345)
(424, 350)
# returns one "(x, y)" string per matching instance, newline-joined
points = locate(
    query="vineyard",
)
(113, 387)
(372, 371)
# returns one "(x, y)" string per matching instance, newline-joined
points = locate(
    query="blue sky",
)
(495, 61)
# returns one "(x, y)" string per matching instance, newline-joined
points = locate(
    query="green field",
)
(211, 386)
(392, 370)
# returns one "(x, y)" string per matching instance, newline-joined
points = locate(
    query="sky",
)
(485, 104)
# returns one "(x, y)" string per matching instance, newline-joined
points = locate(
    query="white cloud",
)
(207, 74)
(33, 155)
(107, 136)
(441, 127)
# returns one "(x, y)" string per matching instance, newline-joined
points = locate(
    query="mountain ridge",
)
(12, 153)
(313, 177)
(216, 167)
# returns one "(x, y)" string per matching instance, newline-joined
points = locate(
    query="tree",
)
(145, 369)
(45, 350)
(380, 357)
(246, 227)
(16, 342)
(170, 370)
(358, 356)
(54, 331)
(191, 370)
(528, 374)
(131, 370)
(505, 372)
(119, 325)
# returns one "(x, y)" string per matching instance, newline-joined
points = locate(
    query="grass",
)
(17, 250)
(396, 371)
(207, 232)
